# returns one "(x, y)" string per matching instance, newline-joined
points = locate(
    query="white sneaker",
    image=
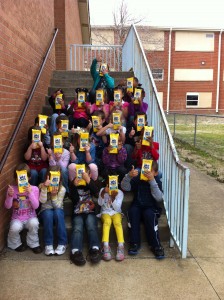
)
(60, 249)
(49, 250)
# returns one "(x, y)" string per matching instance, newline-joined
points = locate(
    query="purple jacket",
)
(112, 160)
(134, 108)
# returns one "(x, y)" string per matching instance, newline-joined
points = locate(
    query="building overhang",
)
(85, 20)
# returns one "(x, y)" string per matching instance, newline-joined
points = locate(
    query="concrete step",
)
(86, 74)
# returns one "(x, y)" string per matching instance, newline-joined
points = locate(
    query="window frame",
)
(192, 94)
(162, 73)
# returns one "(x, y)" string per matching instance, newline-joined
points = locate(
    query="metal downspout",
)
(218, 72)
(168, 78)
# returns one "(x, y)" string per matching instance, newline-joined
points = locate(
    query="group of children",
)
(96, 147)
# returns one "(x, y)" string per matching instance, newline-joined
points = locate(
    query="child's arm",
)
(156, 189)
(43, 193)
(43, 152)
(103, 129)
(57, 199)
(28, 152)
(103, 191)
(93, 70)
(116, 204)
(33, 192)
(126, 181)
(90, 152)
(122, 134)
(109, 80)
(9, 197)
(154, 152)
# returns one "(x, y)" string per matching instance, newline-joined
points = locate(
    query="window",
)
(157, 74)
(192, 99)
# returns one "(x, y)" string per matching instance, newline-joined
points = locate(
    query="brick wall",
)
(26, 29)
(68, 21)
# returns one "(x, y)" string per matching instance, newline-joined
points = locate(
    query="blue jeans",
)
(150, 220)
(38, 177)
(78, 223)
(49, 217)
(64, 174)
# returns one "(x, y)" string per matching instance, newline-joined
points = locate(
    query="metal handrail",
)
(12, 139)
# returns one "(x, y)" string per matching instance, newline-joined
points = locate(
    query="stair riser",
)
(85, 74)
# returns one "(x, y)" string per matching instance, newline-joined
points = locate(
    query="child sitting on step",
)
(23, 198)
(111, 212)
(52, 212)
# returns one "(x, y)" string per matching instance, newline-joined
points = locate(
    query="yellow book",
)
(114, 142)
(84, 140)
(146, 166)
(64, 127)
(99, 97)
(137, 95)
(79, 170)
(113, 183)
(103, 67)
(117, 97)
(57, 142)
(130, 84)
(58, 99)
(22, 180)
(36, 136)
(54, 179)
(116, 120)
(96, 123)
(148, 130)
(81, 98)
(42, 123)
(140, 122)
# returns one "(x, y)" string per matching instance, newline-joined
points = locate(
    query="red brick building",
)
(187, 65)
(26, 31)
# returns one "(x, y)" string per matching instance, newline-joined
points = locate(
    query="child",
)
(111, 212)
(36, 158)
(145, 206)
(104, 107)
(84, 216)
(114, 162)
(61, 160)
(82, 157)
(79, 115)
(23, 214)
(145, 152)
(52, 212)
(101, 78)
(57, 111)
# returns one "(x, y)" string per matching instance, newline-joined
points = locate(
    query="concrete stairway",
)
(69, 81)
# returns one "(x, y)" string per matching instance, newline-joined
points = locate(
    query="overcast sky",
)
(190, 13)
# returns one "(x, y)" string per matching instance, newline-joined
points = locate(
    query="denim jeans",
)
(150, 220)
(49, 217)
(64, 174)
(78, 223)
(38, 177)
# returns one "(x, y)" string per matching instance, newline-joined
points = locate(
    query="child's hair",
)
(60, 118)
(21, 167)
(140, 114)
(99, 113)
(53, 169)
(155, 166)
(30, 132)
(36, 121)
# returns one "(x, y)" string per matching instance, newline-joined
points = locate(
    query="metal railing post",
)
(195, 129)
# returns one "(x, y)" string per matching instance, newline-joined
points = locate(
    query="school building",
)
(187, 65)
(27, 28)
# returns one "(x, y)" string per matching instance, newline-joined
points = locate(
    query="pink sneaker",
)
(120, 253)
(107, 253)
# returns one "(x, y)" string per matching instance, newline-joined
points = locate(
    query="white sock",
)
(120, 245)
(95, 247)
(106, 244)
(74, 250)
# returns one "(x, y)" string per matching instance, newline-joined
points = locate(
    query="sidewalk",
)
(200, 276)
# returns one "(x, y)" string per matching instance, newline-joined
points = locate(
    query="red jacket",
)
(146, 152)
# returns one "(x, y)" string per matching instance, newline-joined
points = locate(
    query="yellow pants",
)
(117, 221)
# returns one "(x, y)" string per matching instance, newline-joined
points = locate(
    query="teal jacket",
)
(96, 76)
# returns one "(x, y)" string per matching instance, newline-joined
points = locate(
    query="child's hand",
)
(73, 130)
(33, 145)
(87, 148)
(71, 148)
(133, 172)
(120, 145)
(76, 181)
(109, 148)
(57, 156)
(54, 190)
(28, 189)
(110, 125)
(90, 125)
(47, 182)
(10, 191)
(49, 151)
(86, 177)
(62, 102)
(113, 195)
(149, 175)
(40, 144)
